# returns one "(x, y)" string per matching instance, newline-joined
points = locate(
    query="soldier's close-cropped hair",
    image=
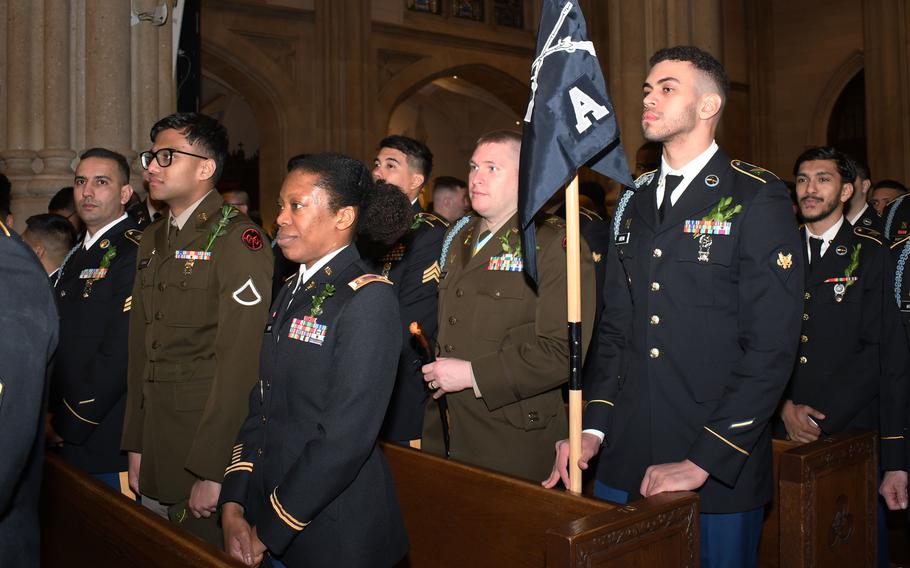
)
(196, 127)
(419, 156)
(384, 213)
(54, 231)
(115, 157)
(700, 59)
(500, 137)
(842, 162)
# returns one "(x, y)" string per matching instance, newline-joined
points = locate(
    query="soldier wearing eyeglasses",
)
(200, 302)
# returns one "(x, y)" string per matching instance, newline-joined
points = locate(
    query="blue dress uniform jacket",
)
(412, 264)
(840, 368)
(596, 233)
(91, 365)
(699, 334)
(515, 338)
(194, 344)
(306, 466)
(28, 319)
(895, 407)
(870, 219)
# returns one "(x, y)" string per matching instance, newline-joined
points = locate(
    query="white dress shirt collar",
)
(92, 239)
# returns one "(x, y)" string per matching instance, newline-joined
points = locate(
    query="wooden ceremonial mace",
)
(429, 357)
(573, 305)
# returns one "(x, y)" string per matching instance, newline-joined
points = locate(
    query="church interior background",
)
(300, 76)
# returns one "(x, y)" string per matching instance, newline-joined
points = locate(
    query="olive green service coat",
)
(517, 342)
(195, 333)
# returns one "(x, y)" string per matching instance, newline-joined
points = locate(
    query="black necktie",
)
(815, 249)
(671, 182)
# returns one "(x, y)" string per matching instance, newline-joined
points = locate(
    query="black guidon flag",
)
(569, 122)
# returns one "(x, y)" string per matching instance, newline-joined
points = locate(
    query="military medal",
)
(707, 227)
(90, 275)
(839, 290)
(507, 262)
(704, 248)
(308, 330)
(840, 286)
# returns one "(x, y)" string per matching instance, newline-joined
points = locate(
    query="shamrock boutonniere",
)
(419, 220)
(327, 292)
(718, 219)
(507, 247)
(219, 229)
(108, 257)
(841, 284)
(93, 274)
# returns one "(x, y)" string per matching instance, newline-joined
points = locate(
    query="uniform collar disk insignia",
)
(841, 250)
(104, 244)
(219, 229)
(327, 291)
(785, 261)
(712, 180)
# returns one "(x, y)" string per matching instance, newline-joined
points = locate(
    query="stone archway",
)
(821, 118)
(268, 111)
(450, 107)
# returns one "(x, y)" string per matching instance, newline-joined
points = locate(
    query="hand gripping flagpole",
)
(573, 299)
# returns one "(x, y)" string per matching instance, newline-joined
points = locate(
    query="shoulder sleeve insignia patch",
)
(868, 233)
(362, 281)
(432, 273)
(644, 179)
(133, 235)
(252, 238)
(753, 171)
(247, 294)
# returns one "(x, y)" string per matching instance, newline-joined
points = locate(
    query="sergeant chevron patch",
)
(128, 304)
(431, 273)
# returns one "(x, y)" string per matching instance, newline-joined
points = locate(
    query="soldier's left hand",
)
(678, 476)
(203, 499)
(448, 375)
(894, 490)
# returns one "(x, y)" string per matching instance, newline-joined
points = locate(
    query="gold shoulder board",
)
(362, 281)
(868, 233)
(753, 171)
(134, 235)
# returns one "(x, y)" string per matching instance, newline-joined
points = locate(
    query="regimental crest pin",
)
(785, 261)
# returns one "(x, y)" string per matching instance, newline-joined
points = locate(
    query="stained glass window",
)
(428, 6)
(509, 13)
(468, 9)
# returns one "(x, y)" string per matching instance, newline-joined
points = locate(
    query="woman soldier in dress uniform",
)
(306, 482)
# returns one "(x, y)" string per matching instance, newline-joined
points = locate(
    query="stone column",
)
(107, 76)
(18, 154)
(57, 153)
(887, 80)
(343, 31)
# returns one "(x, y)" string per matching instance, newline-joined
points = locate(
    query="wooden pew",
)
(84, 523)
(824, 510)
(458, 515)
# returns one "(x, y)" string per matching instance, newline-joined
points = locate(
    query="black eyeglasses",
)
(164, 157)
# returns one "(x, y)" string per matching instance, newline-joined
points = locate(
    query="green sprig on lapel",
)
(854, 264)
(721, 212)
(108, 257)
(327, 291)
(219, 229)
(507, 246)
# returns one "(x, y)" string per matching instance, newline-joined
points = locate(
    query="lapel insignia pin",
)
(841, 250)
(597, 256)
(712, 180)
(203, 217)
(785, 261)
(328, 270)
(104, 244)
(867, 222)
